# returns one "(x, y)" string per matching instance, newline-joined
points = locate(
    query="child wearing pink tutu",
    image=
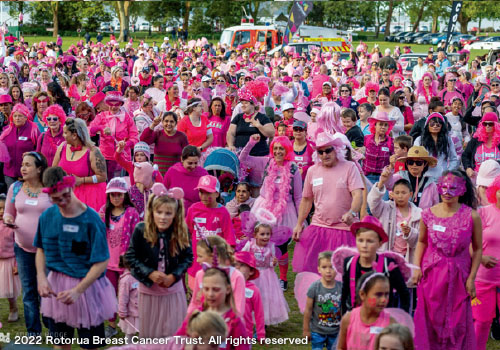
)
(10, 287)
(254, 311)
(205, 250)
(128, 302)
(360, 327)
(120, 218)
(274, 302)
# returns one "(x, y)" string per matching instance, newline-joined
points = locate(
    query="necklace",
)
(31, 194)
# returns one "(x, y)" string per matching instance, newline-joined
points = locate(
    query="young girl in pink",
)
(207, 218)
(120, 217)
(218, 297)
(360, 327)
(254, 311)
(205, 255)
(10, 286)
(128, 302)
(274, 302)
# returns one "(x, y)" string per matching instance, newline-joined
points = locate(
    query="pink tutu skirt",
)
(162, 315)
(97, 304)
(289, 216)
(94, 195)
(317, 239)
(129, 325)
(273, 301)
(10, 286)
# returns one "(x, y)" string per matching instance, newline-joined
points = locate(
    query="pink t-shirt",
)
(361, 336)
(211, 222)
(196, 135)
(400, 244)
(219, 129)
(490, 216)
(483, 153)
(331, 189)
(26, 211)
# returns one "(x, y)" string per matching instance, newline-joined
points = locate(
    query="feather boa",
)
(270, 187)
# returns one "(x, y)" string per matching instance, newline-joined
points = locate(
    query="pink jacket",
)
(237, 284)
(47, 145)
(128, 296)
(122, 129)
(18, 141)
(253, 309)
(6, 241)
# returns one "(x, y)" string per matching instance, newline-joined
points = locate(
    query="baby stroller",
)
(224, 165)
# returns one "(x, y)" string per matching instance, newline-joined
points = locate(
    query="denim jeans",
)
(31, 300)
(319, 341)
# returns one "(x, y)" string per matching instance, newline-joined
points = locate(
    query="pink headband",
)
(67, 181)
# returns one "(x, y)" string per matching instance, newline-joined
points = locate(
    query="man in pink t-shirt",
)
(335, 187)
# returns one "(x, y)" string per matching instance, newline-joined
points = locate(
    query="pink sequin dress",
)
(94, 195)
(275, 306)
(443, 319)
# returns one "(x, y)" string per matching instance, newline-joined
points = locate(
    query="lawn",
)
(290, 329)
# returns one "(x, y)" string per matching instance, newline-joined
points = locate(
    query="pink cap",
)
(489, 117)
(208, 183)
(117, 185)
(5, 99)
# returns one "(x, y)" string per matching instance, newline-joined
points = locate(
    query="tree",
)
(54, 6)
(122, 9)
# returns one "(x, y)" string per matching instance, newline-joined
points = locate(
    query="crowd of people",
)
(381, 189)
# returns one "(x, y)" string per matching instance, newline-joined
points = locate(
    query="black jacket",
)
(143, 258)
(468, 157)
(355, 135)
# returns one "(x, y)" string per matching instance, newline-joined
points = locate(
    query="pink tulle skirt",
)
(129, 325)
(273, 301)
(161, 316)
(317, 239)
(94, 195)
(97, 304)
(10, 284)
(289, 216)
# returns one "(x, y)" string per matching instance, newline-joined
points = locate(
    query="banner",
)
(455, 11)
(300, 10)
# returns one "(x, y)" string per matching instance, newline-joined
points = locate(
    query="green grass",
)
(290, 329)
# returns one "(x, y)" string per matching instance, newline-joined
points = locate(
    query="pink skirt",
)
(273, 301)
(10, 286)
(97, 304)
(94, 195)
(317, 239)
(129, 325)
(161, 316)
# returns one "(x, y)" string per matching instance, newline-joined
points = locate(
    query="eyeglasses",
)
(434, 124)
(415, 162)
(385, 75)
(221, 81)
(52, 119)
(326, 151)
(344, 91)
(402, 97)
(248, 79)
(488, 124)
(299, 129)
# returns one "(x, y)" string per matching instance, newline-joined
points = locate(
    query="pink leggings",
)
(113, 277)
(489, 296)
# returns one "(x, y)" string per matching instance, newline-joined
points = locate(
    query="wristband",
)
(94, 179)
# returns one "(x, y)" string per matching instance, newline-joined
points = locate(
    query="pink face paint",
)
(372, 302)
(451, 185)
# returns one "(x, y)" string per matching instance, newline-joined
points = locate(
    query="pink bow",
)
(159, 189)
(205, 266)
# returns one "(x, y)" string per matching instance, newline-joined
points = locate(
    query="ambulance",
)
(267, 37)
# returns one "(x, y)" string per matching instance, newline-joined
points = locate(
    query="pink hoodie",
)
(178, 176)
(128, 296)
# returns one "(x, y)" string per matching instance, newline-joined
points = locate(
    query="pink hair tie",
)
(67, 181)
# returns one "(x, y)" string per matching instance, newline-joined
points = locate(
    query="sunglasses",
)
(336, 70)
(452, 80)
(221, 81)
(52, 119)
(385, 75)
(248, 79)
(344, 90)
(402, 97)
(299, 129)
(493, 85)
(488, 124)
(415, 162)
(326, 151)
(434, 124)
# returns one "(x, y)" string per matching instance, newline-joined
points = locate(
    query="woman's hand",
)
(167, 281)
(78, 181)
(120, 148)
(107, 131)
(255, 138)
(470, 287)
(122, 144)
(255, 122)
(416, 277)
(69, 296)
(156, 121)
(489, 261)
(470, 172)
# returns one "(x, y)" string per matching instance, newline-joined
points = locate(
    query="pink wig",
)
(56, 110)
(371, 86)
(482, 136)
(280, 89)
(491, 191)
(287, 145)
(258, 88)
(433, 87)
(21, 108)
(329, 118)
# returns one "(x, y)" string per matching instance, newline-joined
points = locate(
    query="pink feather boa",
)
(270, 187)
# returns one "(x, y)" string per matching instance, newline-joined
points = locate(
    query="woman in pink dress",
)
(443, 319)
(80, 158)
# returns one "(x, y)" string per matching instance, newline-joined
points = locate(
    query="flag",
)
(300, 10)
(455, 11)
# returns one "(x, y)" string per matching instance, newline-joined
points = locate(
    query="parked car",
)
(410, 60)
(405, 38)
(472, 39)
(493, 55)
(393, 37)
(489, 43)
(144, 26)
(443, 36)
(106, 27)
(413, 39)
(427, 38)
